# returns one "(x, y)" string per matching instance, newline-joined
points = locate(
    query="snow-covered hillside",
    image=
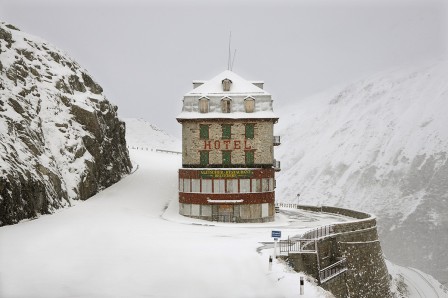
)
(142, 134)
(378, 145)
(60, 139)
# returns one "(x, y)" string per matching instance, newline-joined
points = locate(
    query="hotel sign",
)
(226, 173)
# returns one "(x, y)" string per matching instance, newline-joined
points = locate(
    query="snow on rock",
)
(379, 145)
(60, 139)
(142, 134)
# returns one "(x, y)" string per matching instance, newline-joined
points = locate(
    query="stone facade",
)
(262, 143)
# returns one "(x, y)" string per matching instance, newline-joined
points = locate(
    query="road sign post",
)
(276, 235)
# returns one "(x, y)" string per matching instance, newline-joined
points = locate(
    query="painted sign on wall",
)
(226, 174)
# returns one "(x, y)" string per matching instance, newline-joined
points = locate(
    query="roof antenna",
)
(233, 60)
(230, 54)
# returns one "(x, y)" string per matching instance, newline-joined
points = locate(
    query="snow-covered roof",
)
(239, 86)
(240, 90)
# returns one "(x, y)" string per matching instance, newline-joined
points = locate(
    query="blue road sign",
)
(276, 234)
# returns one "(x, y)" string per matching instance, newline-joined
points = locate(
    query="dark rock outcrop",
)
(60, 139)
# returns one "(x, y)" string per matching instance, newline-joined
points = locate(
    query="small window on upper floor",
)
(249, 104)
(203, 131)
(203, 105)
(226, 131)
(226, 105)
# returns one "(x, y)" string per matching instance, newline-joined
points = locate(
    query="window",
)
(181, 185)
(226, 158)
(203, 105)
(218, 185)
(249, 105)
(244, 185)
(203, 131)
(256, 185)
(186, 185)
(226, 83)
(265, 185)
(207, 186)
(204, 158)
(225, 105)
(226, 131)
(249, 131)
(195, 185)
(271, 184)
(232, 186)
(249, 158)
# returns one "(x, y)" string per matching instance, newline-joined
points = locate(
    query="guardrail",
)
(298, 246)
(332, 271)
(153, 149)
(319, 232)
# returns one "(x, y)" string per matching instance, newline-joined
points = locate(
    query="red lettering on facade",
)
(207, 145)
(217, 145)
(236, 144)
(247, 147)
(227, 142)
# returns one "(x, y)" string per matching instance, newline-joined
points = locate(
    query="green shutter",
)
(226, 131)
(204, 158)
(226, 158)
(203, 131)
(250, 131)
(249, 158)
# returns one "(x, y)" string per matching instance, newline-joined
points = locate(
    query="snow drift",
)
(379, 145)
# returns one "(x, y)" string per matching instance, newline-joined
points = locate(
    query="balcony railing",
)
(276, 165)
(276, 140)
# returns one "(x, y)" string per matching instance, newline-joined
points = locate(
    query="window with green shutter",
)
(204, 158)
(226, 131)
(226, 158)
(203, 131)
(249, 158)
(249, 131)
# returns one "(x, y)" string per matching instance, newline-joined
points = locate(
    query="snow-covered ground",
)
(129, 241)
(117, 244)
(143, 134)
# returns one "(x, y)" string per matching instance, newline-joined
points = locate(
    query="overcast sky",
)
(146, 53)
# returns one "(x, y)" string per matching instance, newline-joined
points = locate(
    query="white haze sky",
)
(146, 53)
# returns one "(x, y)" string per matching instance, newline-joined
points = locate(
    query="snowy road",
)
(130, 241)
(117, 244)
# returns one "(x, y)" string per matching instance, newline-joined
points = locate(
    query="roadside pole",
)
(276, 235)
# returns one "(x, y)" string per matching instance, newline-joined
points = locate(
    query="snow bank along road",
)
(123, 243)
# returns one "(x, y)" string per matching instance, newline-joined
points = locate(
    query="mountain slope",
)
(378, 145)
(60, 139)
(142, 134)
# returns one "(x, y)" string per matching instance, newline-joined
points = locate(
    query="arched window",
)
(226, 105)
(249, 104)
(203, 104)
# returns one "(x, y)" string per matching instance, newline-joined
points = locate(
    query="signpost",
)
(276, 235)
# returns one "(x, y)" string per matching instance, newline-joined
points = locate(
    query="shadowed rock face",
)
(60, 139)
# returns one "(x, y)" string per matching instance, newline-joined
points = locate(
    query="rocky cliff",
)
(60, 139)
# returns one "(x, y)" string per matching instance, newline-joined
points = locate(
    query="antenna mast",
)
(230, 55)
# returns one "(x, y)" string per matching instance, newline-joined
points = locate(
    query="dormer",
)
(203, 103)
(226, 84)
(249, 104)
(226, 104)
